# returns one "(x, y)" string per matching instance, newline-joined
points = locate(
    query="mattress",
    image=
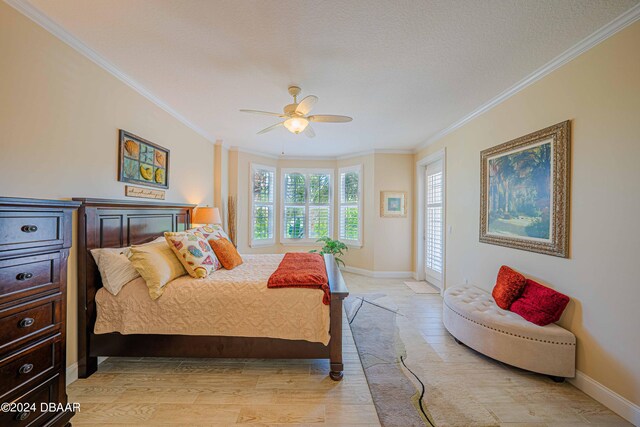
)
(226, 303)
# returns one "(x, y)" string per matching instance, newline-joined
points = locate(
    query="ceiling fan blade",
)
(267, 113)
(306, 104)
(270, 128)
(309, 132)
(328, 118)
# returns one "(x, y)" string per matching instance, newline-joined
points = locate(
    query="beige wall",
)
(59, 120)
(386, 242)
(221, 180)
(393, 236)
(600, 92)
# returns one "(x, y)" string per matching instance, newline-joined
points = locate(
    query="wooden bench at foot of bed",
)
(120, 223)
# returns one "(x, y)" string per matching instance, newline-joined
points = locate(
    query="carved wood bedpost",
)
(338, 293)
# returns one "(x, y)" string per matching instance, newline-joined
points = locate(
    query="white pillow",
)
(115, 268)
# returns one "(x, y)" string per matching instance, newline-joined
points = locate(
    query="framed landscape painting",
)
(142, 161)
(524, 192)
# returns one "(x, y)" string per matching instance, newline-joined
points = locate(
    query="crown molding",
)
(307, 158)
(318, 158)
(624, 20)
(254, 152)
(619, 23)
(369, 152)
(31, 12)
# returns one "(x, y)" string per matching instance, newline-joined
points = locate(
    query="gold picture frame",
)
(525, 191)
(393, 204)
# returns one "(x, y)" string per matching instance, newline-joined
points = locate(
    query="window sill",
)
(262, 244)
(300, 243)
(352, 245)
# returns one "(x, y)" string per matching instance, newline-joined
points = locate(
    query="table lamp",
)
(206, 215)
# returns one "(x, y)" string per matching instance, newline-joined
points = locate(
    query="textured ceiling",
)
(402, 69)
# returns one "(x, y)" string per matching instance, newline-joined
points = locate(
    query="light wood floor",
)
(201, 392)
(206, 392)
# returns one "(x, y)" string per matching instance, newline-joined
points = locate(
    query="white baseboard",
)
(609, 398)
(379, 274)
(72, 371)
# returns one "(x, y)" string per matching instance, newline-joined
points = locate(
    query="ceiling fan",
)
(297, 116)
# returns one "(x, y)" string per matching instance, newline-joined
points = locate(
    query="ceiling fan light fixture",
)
(296, 124)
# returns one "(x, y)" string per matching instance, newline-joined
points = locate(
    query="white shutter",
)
(306, 205)
(262, 201)
(295, 196)
(350, 212)
(319, 205)
(295, 188)
(319, 217)
(434, 221)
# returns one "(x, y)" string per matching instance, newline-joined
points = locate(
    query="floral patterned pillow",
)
(211, 232)
(194, 252)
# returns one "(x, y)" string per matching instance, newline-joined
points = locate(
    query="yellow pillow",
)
(194, 252)
(157, 264)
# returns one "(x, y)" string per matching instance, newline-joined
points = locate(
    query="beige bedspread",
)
(228, 302)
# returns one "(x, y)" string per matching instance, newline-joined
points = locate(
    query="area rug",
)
(422, 288)
(396, 398)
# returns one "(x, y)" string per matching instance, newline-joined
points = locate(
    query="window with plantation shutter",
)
(307, 198)
(434, 222)
(350, 210)
(262, 205)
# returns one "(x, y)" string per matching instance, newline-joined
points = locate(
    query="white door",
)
(434, 223)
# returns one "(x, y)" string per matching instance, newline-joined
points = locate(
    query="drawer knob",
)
(26, 322)
(26, 368)
(29, 228)
(24, 276)
(23, 416)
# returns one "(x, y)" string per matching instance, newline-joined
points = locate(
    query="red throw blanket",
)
(302, 270)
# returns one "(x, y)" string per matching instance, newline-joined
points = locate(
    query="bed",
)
(269, 327)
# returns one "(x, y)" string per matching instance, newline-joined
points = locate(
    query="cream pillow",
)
(115, 268)
(157, 265)
(194, 252)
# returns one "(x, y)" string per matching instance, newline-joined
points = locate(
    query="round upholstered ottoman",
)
(471, 315)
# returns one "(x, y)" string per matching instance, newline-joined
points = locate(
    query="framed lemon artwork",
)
(142, 161)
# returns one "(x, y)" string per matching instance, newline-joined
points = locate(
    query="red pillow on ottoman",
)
(539, 304)
(509, 286)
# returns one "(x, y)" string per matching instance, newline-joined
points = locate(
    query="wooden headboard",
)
(106, 223)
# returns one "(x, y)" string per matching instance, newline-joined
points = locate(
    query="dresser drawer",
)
(29, 321)
(33, 362)
(30, 229)
(25, 276)
(47, 391)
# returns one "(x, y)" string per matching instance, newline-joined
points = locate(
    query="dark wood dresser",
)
(35, 237)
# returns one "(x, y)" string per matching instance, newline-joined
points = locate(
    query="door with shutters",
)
(434, 223)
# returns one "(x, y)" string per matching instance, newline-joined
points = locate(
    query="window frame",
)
(433, 275)
(256, 243)
(354, 168)
(305, 241)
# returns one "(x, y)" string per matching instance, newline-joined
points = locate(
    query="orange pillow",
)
(226, 253)
(509, 286)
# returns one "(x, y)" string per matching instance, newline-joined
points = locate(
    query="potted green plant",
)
(333, 247)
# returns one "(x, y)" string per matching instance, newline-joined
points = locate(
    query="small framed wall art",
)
(142, 161)
(393, 204)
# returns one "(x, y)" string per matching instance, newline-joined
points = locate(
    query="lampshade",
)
(206, 215)
(296, 124)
